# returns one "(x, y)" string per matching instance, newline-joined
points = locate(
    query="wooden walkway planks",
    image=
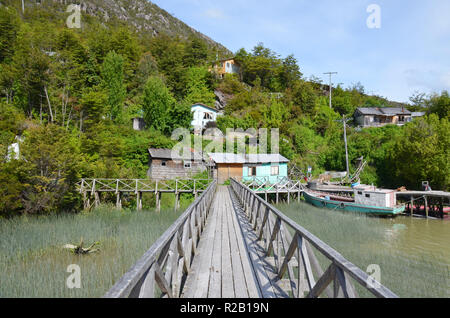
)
(266, 277)
(221, 267)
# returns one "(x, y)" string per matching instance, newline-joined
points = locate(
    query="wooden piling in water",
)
(118, 201)
(412, 206)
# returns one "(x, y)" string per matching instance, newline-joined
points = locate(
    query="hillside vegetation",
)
(71, 94)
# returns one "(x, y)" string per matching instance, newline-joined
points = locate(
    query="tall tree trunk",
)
(49, 105)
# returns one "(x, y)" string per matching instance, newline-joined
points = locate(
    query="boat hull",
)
(352, 207)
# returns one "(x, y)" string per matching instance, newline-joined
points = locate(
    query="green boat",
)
(373, 202)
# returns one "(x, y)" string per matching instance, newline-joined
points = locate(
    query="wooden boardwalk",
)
(222, 267)
(230, 243)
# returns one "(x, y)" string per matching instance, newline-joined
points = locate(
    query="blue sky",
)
(409, 53)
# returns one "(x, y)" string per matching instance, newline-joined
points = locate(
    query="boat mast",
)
(346, 147)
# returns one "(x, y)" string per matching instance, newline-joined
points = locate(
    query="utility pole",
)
(330, 73)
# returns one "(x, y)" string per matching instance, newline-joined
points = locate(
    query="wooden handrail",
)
(272, 227)
(143, 185)
(166, 264)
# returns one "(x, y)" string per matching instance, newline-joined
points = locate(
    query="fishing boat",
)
(367, 200)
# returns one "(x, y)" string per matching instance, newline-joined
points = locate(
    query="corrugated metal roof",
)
(206, 106)
(387, 111)
(254, 158)
(167, 154)
(369, 111)
(266, 158)
(226, 158)
(395, 111)
(160, 153)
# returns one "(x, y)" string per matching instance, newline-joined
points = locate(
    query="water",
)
(413, 254)
(415, 238)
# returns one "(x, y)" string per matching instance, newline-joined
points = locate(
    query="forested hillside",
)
(70, 94)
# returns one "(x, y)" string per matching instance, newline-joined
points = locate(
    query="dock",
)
(231, 243)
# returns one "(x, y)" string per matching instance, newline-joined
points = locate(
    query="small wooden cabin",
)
(247, 167)
(227, 165)
(371, 196)
(163, 167)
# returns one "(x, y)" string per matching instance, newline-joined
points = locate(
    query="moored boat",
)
(367, 200)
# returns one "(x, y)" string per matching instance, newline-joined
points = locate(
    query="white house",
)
(203, 114)
(14, 149)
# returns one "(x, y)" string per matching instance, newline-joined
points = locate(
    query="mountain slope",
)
(142, 15)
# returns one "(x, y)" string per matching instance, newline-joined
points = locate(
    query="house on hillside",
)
(138, 123)
(227, 66)
(377, 117)
(247, 167)
(163, 167)
(14, 149)
(202, 115)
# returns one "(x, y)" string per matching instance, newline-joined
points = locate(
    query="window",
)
(163, 163)
(367, 195)
(275, 170)
(252, 171)
(359, 192)
(208, 116)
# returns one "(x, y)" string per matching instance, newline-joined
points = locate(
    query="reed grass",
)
(34, 264)
(367, 240)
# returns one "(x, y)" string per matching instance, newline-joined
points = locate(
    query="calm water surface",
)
(415, 237)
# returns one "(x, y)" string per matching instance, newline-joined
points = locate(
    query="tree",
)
(9, 27)
(290, 72)
(422, 153)
(92, 107)
(439, 105)
(113, 81)
(53, 156)
(179, 116)
(198, 90)
(156, 102)
(196, 52)
(303, 98)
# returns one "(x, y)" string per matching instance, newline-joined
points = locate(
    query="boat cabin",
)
(371, 196)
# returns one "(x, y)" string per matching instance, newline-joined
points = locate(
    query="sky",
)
(409, 52)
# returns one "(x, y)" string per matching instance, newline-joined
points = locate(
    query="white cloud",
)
(214, 14)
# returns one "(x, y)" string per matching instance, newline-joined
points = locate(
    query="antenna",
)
(330, 73)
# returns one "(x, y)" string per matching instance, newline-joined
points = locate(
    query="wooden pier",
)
(291, 189)
(92, 188)
(431, 203)
(231, 243)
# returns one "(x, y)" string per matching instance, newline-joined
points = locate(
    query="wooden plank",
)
(215, 284)
(227, 279)
(205, 255)
(323, 282)
(195, 286)
(261, 268)
(250, 278)
(240, 285)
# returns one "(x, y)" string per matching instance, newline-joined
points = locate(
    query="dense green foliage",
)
(71, 95)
